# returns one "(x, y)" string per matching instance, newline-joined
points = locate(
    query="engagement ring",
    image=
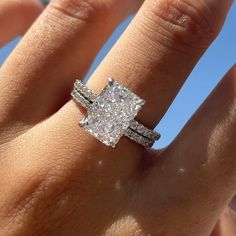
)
(111, 114)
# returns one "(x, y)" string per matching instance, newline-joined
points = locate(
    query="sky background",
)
(209, 71)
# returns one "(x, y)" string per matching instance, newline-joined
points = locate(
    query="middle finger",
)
(160, 49)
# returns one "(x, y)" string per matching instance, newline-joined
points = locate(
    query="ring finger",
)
(153, 58)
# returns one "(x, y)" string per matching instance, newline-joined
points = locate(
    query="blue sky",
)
(207, 74)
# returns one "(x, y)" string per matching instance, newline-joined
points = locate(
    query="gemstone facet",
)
(111, 113)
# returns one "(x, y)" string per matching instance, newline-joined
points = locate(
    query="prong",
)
(113, 145)
(110, 81)
(157, 136)
(83, 123)
(141, 102)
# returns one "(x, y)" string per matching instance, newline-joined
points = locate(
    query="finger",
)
(201, 162)
(16, 16)
(213, 127)
(59, 47)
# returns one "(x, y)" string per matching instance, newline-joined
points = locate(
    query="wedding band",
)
(111, 114)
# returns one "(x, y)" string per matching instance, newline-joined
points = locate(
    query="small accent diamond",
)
(80, 98)
(87, 93)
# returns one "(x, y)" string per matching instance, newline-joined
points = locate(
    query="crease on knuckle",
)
(182, 25)
(84, 10)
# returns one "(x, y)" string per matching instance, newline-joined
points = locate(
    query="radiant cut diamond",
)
(111, 113)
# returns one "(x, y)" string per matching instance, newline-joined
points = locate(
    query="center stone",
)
(111, 113)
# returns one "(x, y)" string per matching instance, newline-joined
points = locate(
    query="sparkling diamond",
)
(111, 113)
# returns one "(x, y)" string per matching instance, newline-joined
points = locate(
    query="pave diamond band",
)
(111, 114)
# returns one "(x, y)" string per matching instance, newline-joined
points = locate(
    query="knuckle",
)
(181, 24)
(85, 10)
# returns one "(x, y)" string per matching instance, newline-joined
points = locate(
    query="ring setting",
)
(111, 115)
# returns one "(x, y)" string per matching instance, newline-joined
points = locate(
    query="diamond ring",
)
(111, 114)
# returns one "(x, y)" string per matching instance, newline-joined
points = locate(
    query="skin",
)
(19, 14)
(55, 179)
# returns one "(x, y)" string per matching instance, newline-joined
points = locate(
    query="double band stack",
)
(111, 114)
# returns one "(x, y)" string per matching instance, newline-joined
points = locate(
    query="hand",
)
(56, 179)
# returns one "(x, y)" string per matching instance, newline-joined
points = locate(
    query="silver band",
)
(136, 131)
